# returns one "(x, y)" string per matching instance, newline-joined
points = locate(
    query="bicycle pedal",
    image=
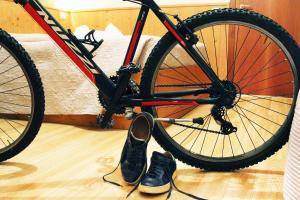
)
(130, 68)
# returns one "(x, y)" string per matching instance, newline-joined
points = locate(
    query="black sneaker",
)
(134, 155)
(159, 178)
(161, 171)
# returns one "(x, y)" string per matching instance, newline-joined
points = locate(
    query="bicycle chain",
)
(200, 129)
(133, 88)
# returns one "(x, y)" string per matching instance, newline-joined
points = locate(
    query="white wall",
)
(72, 5)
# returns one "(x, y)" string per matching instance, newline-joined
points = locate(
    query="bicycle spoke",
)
(16, 122)
(216, 57)
(205, 48)
(249, 53)
(261, 115)
(231, 145)
(179, 111)
(13, 126)
(166, 76)
(182, 131)
(251, 123)
(14, 89)
(236, 136)
(271, 87)
(12, 80)
(5, 59)
(265, 98)
(199, 133)
(174, 69)
(22, 95)
(263, 68)
(6, 134)
(215, 145)
(233, 66)
(15, 104)
(266, 79)
(275, 111)
(184, 85)
(227, 60)
(205, 134)
(258, 125)
(260, 55)
(9, 69)
(189, 135)
(246, 128)
(3, 142)
(185, 67)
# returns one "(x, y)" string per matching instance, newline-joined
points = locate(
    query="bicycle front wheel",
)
(21, 98)
(252, 56)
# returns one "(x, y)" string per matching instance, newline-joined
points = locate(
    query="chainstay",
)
(205, 85)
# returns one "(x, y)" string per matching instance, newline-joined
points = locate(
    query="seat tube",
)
(141, 20)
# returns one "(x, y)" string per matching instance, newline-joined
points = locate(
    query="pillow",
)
(110, 31)
(81, 31)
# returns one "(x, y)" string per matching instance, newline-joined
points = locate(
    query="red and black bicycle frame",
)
(84, 60)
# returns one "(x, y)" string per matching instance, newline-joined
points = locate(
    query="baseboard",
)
(85, 120)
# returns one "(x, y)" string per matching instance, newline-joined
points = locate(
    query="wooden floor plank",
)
(67, 162)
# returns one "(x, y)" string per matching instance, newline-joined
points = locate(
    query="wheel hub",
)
(230, 97)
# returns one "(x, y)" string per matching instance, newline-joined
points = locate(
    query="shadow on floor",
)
(21, 169)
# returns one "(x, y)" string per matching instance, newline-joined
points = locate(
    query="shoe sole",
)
(139, 178)
(156, 190)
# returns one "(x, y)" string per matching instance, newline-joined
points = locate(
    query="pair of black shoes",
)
(159, 177)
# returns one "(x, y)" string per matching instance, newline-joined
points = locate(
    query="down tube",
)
(62, 39)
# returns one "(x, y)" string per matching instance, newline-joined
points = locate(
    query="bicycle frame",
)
(84, 60)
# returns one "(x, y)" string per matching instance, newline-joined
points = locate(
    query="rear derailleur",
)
(219, 113)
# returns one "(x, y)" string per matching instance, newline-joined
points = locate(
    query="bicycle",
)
(222, 85)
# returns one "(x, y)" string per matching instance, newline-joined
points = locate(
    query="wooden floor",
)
(67, 162)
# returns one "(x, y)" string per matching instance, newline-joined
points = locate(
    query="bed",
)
(67, 91)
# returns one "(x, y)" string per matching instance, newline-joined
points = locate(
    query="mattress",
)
(67, 90)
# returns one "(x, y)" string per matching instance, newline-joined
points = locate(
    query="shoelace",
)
(154, 170)
(133, 154)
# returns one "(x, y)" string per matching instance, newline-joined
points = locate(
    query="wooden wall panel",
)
(286, 12)
(15, 19)
(125, 19)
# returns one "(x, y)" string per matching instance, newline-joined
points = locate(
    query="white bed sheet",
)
(67, 90)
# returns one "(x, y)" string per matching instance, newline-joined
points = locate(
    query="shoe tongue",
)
(159, 156)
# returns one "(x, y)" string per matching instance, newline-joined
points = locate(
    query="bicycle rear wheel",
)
(256, 59)
(21, 98)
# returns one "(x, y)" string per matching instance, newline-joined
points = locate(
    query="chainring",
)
(132, 89)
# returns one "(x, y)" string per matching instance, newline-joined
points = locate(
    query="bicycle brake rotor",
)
(132, 89)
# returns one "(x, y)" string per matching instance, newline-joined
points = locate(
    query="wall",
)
(125, 18)
(75, 5)
(15, 19)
